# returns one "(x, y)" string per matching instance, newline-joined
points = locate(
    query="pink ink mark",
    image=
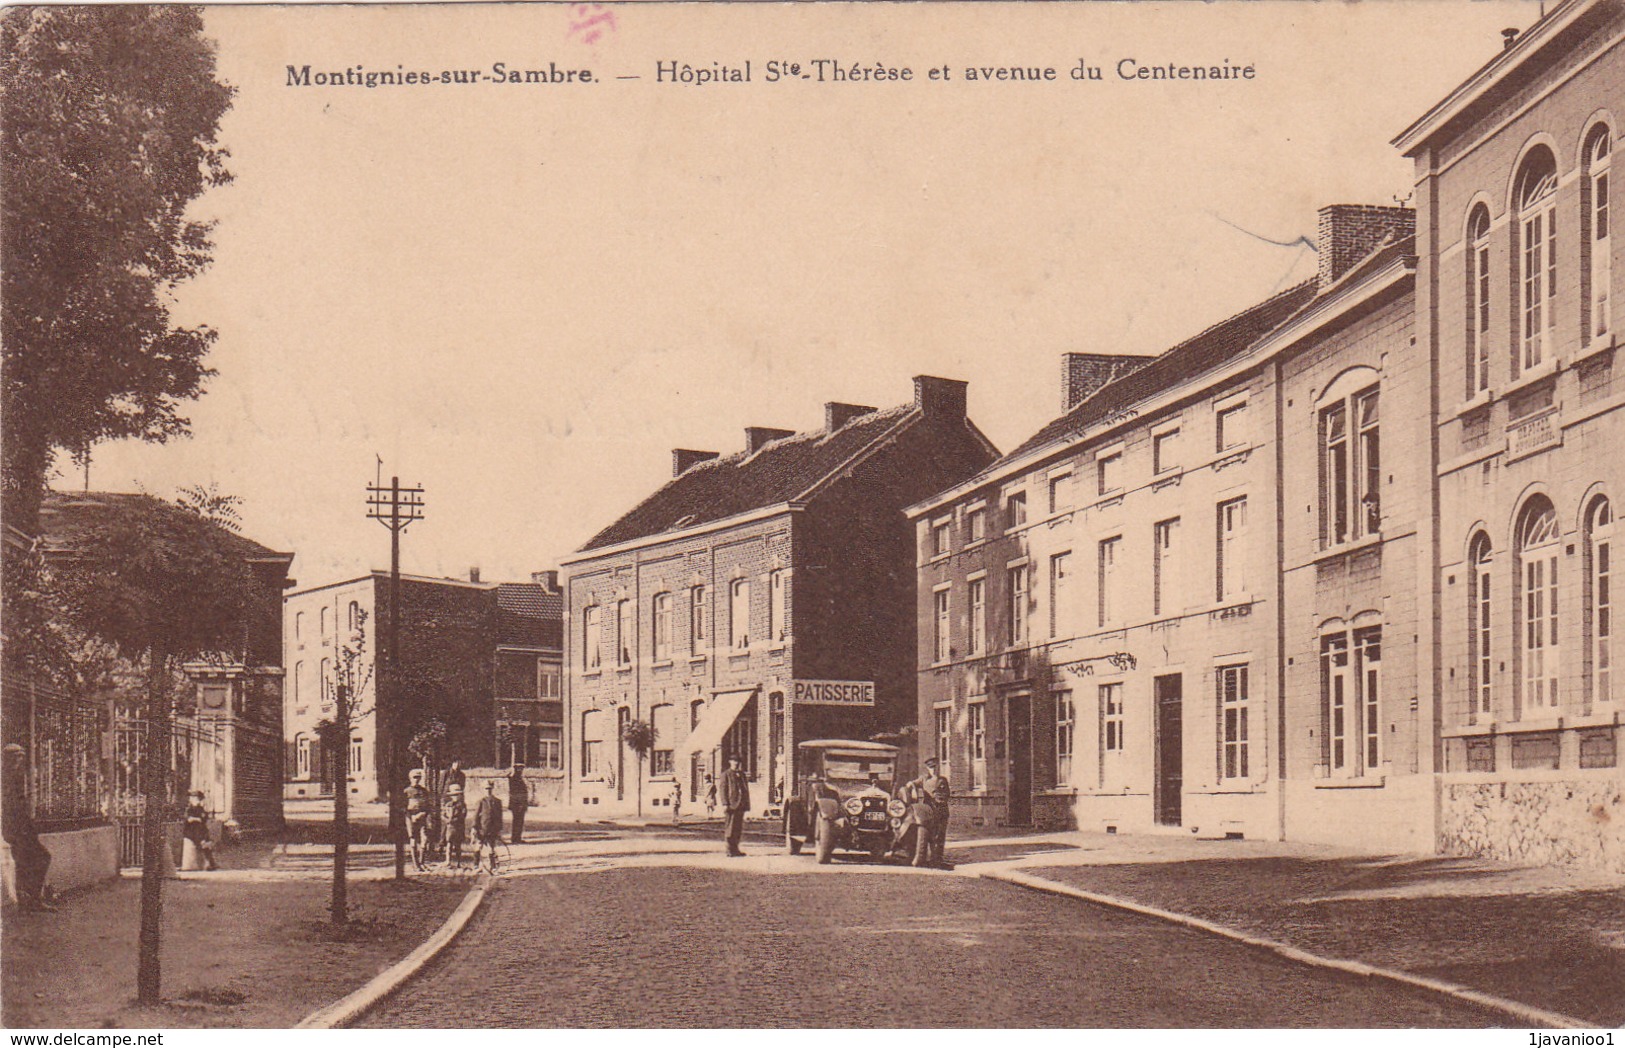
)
(590, 22)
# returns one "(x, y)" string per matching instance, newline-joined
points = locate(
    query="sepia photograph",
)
(729, 516)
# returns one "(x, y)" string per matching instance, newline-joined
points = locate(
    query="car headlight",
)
(896, 809)
(854, 806)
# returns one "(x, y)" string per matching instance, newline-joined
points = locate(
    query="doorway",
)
(1170, 750)
(1018, 717)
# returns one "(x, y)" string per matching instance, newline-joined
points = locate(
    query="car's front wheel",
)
(791, 841)
(826, 841)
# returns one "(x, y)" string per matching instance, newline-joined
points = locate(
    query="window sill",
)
(1598, 345)
(739, 653)
(1357, 782)
(974, 544)
(1232, 457)
(660, 664)
(591, 674)
(776, 649)
(624, 669)
(1225, 789)
(1343, 549)
(1534, 376)
(1479, 401)
(1109, 501)
(698, 658)
(1167, 479)
(1059, 791)
(1231, 608)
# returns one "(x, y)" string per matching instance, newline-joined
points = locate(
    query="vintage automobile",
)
(843, 799)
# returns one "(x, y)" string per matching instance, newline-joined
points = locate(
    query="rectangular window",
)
(1015, 510)
(302, 757)
(1351, 469)
(976, 525)
(1167, 575)
(548, 684)
(1602, 614)
(1017, 590)
(943, 719)
(1109, 473)
(1335, 475)
(1540, 628)
(739, 614)
(941, 538)
(777, 630)
(940, 647)
(1111, 718)
(623, 633)
(1106, 583)
(1165, 451)
(1231, 575)
(978, 616)
(1230, 426)
(1059, 597)
(1060, 493)
(1601, 254)
(976, 737)
(660, 614)
(1065, 723)
(1482, 336)
(1368, 507)
(1232, 689)
(592, 744)
(1538, 286)
(1368, 664)
(1483, 682)
(663, 720)
(356, 750)
(1338, 688)
(549, 749)
(698, 614)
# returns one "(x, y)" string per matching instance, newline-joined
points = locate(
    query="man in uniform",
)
(418, 803)
(928, 798)
(31, 857)
(735, 803)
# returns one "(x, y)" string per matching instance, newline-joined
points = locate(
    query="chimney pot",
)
(548, 580)
(837, 414)
(1351, 232)
(757, 436)
(1509, 37)
(473, 574)
(939, 397)
(683, 460)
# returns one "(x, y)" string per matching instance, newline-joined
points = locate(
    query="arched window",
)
(739, 613)
(1537, 257)
(1595, 216)
(355, 616)
(324, 622)
(298, 672)
(592, 744)
(660, 620)
(301, 749)
(1600, 599)
(298, 625)
(1539, 547)
(1478, 627)
(1478, 301)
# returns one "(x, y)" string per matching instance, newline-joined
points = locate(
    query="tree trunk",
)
(155, 787)
(339, 908)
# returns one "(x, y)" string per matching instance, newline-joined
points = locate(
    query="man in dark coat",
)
(518, 801)
(32, 858)
(488, 825)
(735, 803)
(928, 798)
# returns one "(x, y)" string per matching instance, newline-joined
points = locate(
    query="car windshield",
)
(858, 767)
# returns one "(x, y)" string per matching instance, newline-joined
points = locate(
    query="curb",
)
(1528, 1014)
(349, 1009)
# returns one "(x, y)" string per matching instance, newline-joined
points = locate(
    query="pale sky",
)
(524, 296)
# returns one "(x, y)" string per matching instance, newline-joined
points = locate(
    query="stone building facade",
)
(698, 613)
(1516, 274)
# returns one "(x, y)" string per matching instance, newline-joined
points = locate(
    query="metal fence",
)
(63, 735)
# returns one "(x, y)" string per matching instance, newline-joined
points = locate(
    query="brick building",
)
(1121, 621)
(1515, 281)
(478, 657)
(699, 611)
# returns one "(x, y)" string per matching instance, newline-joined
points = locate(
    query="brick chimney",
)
(1350, 232)
(939, 397)
(837, 414)
(682, 460)
(756, 436)
(474, 574)
(1084, 373)
(548, 580)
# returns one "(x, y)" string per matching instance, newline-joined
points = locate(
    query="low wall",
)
(1552, 822)
(78, 858)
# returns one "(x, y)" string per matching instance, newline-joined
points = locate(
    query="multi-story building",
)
(478, 661)
(756, 601)
(1121, 620)
(1515, 283)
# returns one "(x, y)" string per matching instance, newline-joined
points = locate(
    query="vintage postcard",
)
(825, 515)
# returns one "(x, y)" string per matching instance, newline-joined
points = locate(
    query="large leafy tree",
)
(108, 121)
(165, 585)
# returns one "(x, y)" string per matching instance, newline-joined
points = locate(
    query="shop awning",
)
(715, 722)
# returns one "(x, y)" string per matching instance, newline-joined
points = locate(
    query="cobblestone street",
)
(690, 941)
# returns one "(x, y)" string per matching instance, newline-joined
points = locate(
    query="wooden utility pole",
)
(395, 508)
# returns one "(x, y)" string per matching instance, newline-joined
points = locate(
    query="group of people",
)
(444, 823)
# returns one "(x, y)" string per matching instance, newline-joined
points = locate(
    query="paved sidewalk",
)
(1551, 938)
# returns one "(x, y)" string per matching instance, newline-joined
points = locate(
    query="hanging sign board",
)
(833, 692)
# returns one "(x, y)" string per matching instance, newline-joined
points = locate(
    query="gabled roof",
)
(529, 615)
(1217, 345)
(785, 470)
(65, 516)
